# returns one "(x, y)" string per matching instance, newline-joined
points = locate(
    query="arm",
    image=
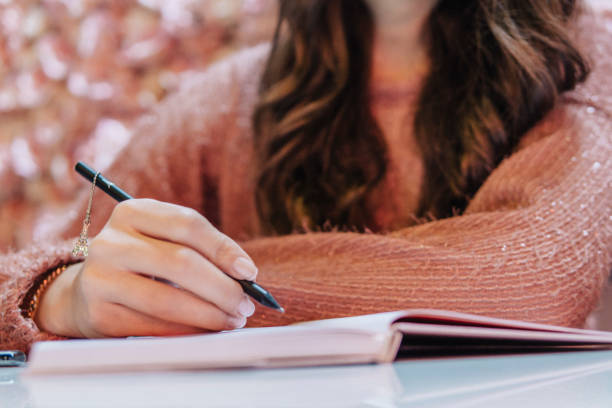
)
(534, 244)
(164, 160)
(17, 272)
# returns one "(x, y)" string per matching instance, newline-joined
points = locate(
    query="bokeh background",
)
(75, 74)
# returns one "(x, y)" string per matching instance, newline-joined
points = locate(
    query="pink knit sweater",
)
(534, 244)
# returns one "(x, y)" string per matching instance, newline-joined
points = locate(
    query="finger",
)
(115, 320)
(189, 228)
(168, 303)
(178, 264)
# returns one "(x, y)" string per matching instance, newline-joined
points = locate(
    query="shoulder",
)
(585, 114)
(594, 38)
(237, 75)
(214, 96)
(193, 125)
(589, 106)
(570, 149)
(242, 67)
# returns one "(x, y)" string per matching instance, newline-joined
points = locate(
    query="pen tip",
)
(281, 309)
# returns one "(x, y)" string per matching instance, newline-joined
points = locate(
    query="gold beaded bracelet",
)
(31, 302)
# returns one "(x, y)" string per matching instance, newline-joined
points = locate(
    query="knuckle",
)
(104, 244)
(191, 223)
(144, 201)
(224, 247)
(123, 210)
(97, 246)
(189, 212)
(185, 258)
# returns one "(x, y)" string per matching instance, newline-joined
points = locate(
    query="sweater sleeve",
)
(535, 243)
(163, 160)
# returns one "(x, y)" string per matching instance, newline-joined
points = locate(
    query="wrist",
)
(29, 305)
(54, 313)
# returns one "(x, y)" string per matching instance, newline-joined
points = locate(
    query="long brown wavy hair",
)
(497, 67)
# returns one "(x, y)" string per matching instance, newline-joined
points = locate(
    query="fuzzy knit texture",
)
(534, 244)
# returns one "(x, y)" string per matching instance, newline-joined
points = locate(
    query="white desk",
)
(576, 380)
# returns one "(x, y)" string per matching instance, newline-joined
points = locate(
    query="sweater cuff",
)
(22, 269)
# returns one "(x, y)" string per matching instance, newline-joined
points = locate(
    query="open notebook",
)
(376, 338)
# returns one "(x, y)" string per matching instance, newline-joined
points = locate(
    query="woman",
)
(357, 178)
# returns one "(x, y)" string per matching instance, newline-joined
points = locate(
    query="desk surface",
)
(576, 379)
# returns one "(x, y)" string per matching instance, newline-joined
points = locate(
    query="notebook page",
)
(360, 339)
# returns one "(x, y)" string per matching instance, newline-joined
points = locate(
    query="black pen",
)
(251, 288)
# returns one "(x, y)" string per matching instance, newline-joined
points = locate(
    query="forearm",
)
(535, 244)
(22, 269)
(54, 310)
(328, 275)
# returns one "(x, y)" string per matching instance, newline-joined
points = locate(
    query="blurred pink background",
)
(74, 75)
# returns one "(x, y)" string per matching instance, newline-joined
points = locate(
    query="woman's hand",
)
(111, 293)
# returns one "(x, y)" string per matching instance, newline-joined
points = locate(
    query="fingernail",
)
(236, 322)
(246, 308)
(245, 268)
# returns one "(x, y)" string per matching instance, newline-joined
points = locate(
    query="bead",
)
(31, 306)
